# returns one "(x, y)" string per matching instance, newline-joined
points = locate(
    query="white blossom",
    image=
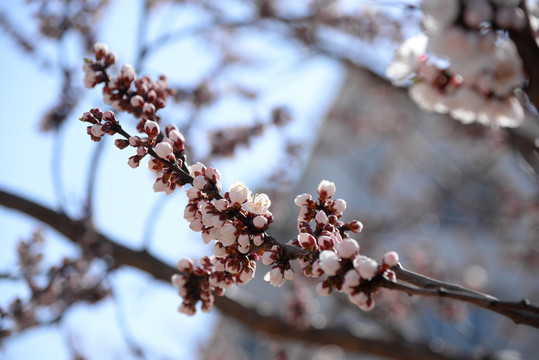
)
(329, 262)
(366, 266)
(258, 205)
(239, 193)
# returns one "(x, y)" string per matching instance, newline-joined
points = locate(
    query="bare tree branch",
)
(520, 312)
(79, 231)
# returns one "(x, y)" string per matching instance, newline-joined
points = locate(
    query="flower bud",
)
(326, 189)
(163, 150)
(323, 289)
(200, 182)
(321, 218)
(302, 200)
(137, 101)
(347, 248)
(185, 265)
(151, 128)
(367, 267)
(260, 221)
(307, 241)
(329, 262)
(275, 277)
(339, 205)
(391, 258)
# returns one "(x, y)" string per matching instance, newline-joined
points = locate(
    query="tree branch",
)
(520, 312)
(78, 232)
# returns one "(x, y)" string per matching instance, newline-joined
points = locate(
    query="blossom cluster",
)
(234, 222)
(141, 97)
(484, 68)
(102, 123)
(330, 250)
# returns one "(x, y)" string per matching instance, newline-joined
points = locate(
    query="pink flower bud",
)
(339, 205)
(212, 174)
(245, 275)
(269, 258)
(185, 265)
(303, 212)
(367, 267)
(306, 241)
(200, 182)
(326, 242)
(356, 226)
(391, 258)
(302, 200)
(178, 280)
(97, 130)
(134, 141)
(244, 249)
(329, 262)
(88, 117)
(219, 249)
(348, 248)
(217, 221)
(227, 234)
(258, 239)
(187, 309)
(368, 305)
(128, 72)
(243, 240)
(193, 193)
(137, 101)
(121, 143)
(109, 116)
(151, 128)
(155, 165)
(100, 49)
(197, 169)
(260, 221)
(163, 150)
(275, 277)
(148, 109)
(160, 185)
(289, 274)
(360, 299)
(196, 225)
(221, 205)
(321, 218)
(351, 280)
(134, 161)
(142, 151)
(207, 236)
(177, 139)
(326, 189)
(323, 289)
